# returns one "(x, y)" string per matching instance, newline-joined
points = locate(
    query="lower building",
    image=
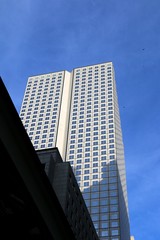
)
(68, 193)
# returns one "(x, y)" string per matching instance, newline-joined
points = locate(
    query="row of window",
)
(93, 195)
(106, 224)
(42, 146)
(94, 148)
(86, 144)
(45, 78)
(102, 181)
(92, 176)
(95, 169)
(41, 100)
(94, 153)
(89, 82)
(95, 137)
(90, 69)
(107, 233)
(95, 120)
(41, 87)
(40, 104)
(88, 110)
(102, 202)
(88, 117)
(94, 181)
(95, 161)
(94, 173)
(82, 92)
(90, 98)
(89, 105)
(81, 129)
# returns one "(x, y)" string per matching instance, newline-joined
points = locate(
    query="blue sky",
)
(46, 36)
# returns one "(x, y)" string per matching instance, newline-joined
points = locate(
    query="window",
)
(103, 201)
(86, 195)
(79, 150)
(95, 159)
(103, 147)
(104, 217)
(87, 160)
(95, 153)
(103, 152)
(87, 149)
(95, 176)
(87, 154)
(111, 146)
(86, 184)
(87, 165)
(95, 195)
(104, 225)
(94, 210)
(114, 224)
(95, 217)
(114, 208)
(95, 148)
(94, 203)
(78, 172)
(114, 232)
(86, 177)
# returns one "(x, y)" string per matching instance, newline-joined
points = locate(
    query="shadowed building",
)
(68, 193)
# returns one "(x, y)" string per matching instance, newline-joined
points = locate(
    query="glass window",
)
(94, 210)
(104, 209)
(94, 195)
(95, 202)
(113, 201)
(104, 216)
(114, 224)
(86, 177)
(95, 176)
(104, 225)
(114, 216)
(95, 188)
(104, 201)
(104, 194)
(104, 233)
(86, 195)
(114, 232)
(86, 184)
(95, 217)
(114, 208)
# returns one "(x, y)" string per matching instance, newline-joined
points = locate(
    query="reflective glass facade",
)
(93, 143)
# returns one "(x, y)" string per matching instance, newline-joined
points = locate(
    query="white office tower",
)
(78, 113)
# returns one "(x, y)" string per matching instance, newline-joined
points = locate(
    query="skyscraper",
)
(78, 113)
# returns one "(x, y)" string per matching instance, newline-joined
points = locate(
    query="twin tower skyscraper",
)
(78, 113)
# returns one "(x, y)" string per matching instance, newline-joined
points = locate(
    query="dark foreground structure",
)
(68, 193)
(32, 205)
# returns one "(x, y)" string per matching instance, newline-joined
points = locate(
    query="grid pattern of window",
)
(39, 113)
(91, 145)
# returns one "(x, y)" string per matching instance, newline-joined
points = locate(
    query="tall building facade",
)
(78, 113)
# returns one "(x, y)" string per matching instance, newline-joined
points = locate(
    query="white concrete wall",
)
(64, 115)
